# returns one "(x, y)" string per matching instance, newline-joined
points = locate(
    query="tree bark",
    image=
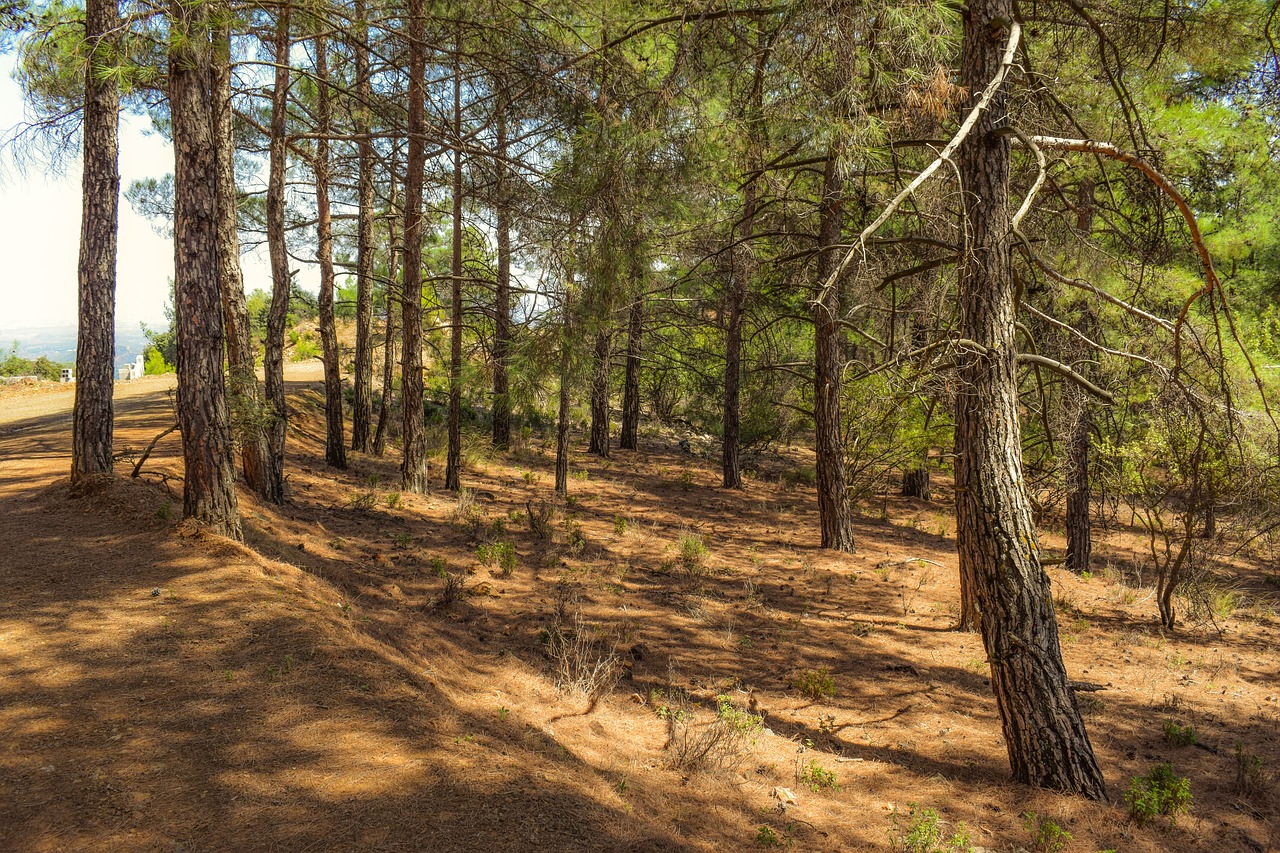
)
(362, 404)
(602, 357)
(93, 412)
(209, 495)
(413, 471)
(335, 447)
(502, 298)
(1079, 445)
(393, 313)
(281, 279)
(999, 556)
(562, 412)
(915, 482)
(246, 399)
(630, 437)
(833, 504)
(453, 466)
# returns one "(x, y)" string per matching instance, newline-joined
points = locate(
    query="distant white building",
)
(133, 371)
(65, 375)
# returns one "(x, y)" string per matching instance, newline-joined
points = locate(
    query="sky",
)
(40, 231)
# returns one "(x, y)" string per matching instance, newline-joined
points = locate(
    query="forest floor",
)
(315, 689)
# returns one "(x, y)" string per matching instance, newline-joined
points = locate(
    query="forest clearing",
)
(316, 689)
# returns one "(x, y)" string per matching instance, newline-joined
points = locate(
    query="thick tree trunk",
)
(281, 280)
(246, 400)
(393, 314)
(602, 357)
(92, 416)
(833, 504)
(453, 468)
(999, 556)
(413, 471)
(630, 437)
(335, 447)
(915, 482)
(209, 494)
(502, 299)
(362, 381)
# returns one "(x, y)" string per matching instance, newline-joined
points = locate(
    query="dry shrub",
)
(541, 519)
(695, 745)
(584, 659)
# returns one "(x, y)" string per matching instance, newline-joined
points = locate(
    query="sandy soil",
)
(161, 690)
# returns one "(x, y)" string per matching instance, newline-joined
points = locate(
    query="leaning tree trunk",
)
(413, 471)
(362, 381)
(335, 447)
(502, 298)
(281, 280)
(1043, 731)
(208, 494)
(92, 416)
(246, 402)
(833, 502)
(389, 338)
(601, 363)
(630, 437)
(453, 466)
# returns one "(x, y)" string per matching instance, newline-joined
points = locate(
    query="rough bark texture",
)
(413, 471)
(630, 437)
(281, 281)
(915, 482)
(1079, 444)
(453, 467)
(242, 379)
(833, 503)
(362, 381)
(208, 495)
(93, 413)
(502, 299)
(335, 446)
(999, 556)
(602, 357)
(389, 339)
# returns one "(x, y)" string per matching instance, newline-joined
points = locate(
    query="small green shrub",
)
(1159, 792)
(920, 831)
(818, 777)
(691, 553)
(619, 525)
(393, 500)
(1252, 778)
(362, 500)
(767, 837)
(1046, 835)
(502, 553)
(1179, 735)
(817, 684)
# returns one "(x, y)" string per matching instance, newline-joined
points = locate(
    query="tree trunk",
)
(246, 400)
(915, 482)
(742, 267)
(999, 556)
(362, 404)
(208, 495)
(393, 313)
(630, 438)
(281, 279)
(93, 413)
(602, 357)
(562, 413)
(335, 447)
(413, 471)
(502, 299)
(833, 503)
(453, 468)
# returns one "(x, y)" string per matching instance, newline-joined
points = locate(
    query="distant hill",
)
(58, 343)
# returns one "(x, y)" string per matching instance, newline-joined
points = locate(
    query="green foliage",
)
(1046, 835)
(691, 553)
(41, 367)
(1159, 792)
(818, 777)
(817, 684)
(920, 830)
(503, 553)
(1179, 735)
